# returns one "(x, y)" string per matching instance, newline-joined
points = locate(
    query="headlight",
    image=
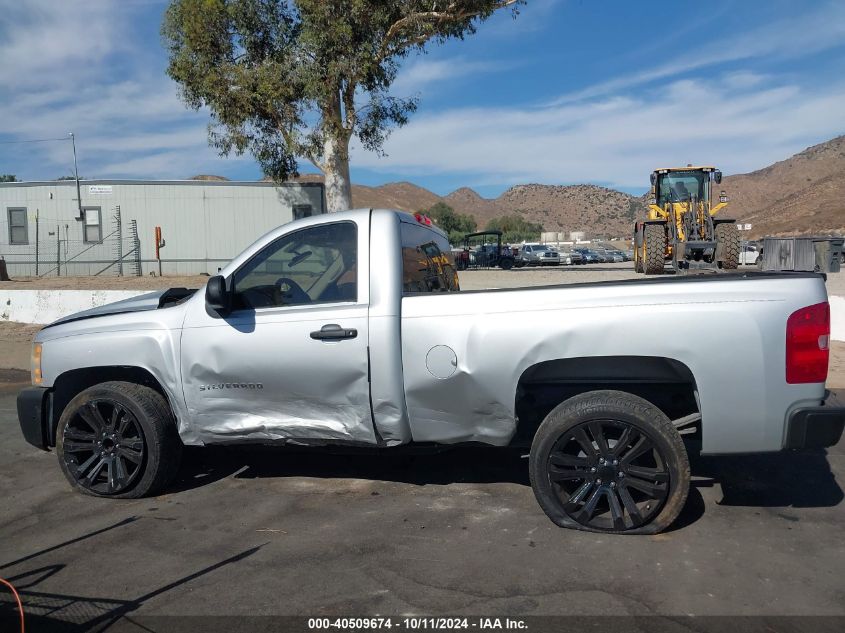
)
(35, 365)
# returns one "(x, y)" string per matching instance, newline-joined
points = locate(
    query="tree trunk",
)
(336, 171)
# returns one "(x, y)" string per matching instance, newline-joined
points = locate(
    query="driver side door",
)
(290, 359)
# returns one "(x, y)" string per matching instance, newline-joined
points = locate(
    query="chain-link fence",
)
(111, 248)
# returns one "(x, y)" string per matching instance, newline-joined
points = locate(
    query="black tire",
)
(654, 249)
(123, 432)
(506, 263)
(727, 236)
(634, 497)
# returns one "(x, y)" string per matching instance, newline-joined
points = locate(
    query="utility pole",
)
(36, 243)
(76, 172)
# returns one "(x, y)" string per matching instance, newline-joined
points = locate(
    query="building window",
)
(302, 211)
(92, 227)
(18, 233)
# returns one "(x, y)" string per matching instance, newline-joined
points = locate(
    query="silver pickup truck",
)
(351, 329)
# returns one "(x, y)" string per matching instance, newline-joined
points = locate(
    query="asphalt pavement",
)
(250, 532)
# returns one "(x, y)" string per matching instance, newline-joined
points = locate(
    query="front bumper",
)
(816, 427)
(33, 408)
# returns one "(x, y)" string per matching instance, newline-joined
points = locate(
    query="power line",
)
(36, 140)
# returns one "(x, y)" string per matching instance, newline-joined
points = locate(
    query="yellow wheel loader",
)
(682, 228)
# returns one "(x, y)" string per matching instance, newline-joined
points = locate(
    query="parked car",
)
(590, 256)
(550, 258)
(571, 258)
(749, 254)
(313, 336)
(535, 255)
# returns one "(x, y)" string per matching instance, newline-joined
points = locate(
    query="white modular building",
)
(110, 229)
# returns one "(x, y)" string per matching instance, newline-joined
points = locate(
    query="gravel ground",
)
(470, 279)
(104, 283)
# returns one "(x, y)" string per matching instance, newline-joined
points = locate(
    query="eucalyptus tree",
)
(287, 80)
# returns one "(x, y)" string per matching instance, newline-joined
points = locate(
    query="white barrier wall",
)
(837, 318)
(45, 306)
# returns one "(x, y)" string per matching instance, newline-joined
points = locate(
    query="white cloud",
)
(617, 140)
(809, 32)
(425, 72)
(82, 66)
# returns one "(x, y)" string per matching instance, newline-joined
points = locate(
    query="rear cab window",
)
(427, 263)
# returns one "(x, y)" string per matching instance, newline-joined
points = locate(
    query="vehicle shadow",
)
(49, 611)
(411, 465)
(797, 479)
(790, 479)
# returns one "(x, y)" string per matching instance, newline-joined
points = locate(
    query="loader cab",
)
(681, 185)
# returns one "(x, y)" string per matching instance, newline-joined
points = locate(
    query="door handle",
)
(333, 332)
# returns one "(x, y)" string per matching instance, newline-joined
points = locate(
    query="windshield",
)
(680, 186)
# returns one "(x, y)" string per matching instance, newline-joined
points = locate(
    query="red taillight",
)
(808, 344)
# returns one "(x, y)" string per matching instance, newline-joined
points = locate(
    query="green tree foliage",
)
(516, 228)
(456, 225)
(288, 79)
(69, 178)
(8, 178)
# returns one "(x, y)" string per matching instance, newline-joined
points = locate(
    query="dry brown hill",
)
(802, 194)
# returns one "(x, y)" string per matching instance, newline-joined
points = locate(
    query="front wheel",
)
(118, 439)
(654, 249)
(609, 461)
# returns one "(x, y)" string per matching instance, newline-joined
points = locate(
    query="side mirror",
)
(717, 176)
(653, 179)
(216, 295)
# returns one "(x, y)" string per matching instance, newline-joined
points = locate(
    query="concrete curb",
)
(45, 306)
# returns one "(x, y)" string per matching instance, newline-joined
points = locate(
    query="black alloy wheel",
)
(609, 475)
(120, 440)
(103, 447)
(609, 461)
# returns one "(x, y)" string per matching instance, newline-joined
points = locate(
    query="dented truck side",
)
(350, 329)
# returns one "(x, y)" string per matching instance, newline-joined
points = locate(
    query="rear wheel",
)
(506, 263)
(654, 249)
(118, 439)
(727, 236)
(609, 461)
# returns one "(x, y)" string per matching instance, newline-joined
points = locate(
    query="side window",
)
(18, 233)
(315, 265)
(427, 265)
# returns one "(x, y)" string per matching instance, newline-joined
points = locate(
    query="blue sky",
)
(569, 92)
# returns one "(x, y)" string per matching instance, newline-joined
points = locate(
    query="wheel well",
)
(667, 383)
(71, 383)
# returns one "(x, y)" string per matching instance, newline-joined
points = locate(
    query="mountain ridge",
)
(802, 194)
